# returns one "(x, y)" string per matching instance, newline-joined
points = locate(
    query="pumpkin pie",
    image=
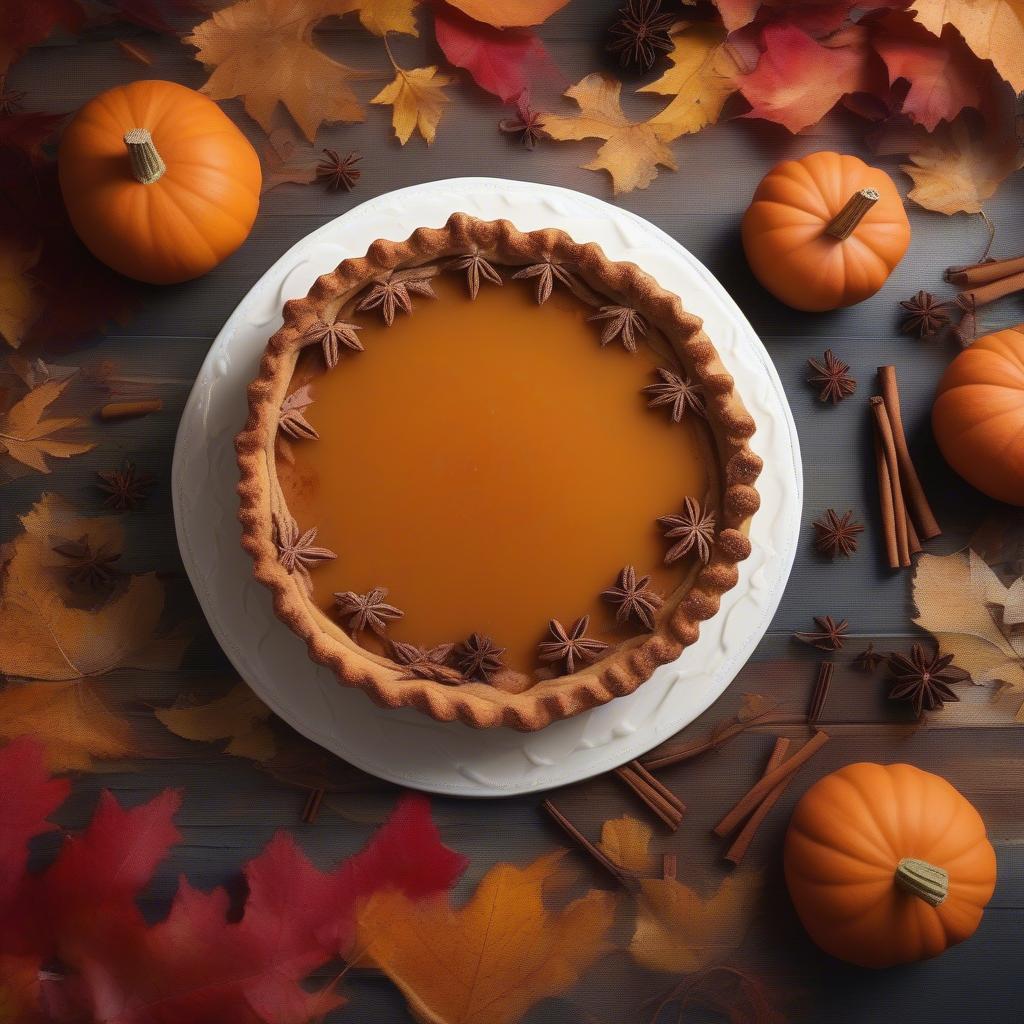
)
(494, 475)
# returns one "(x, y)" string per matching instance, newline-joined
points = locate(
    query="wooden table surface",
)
(231, 808)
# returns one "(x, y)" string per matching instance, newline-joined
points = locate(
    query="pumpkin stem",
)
(923, 880)
(844, 223)
(147, 165)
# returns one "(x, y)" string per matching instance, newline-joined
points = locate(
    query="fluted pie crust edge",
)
(479, 704)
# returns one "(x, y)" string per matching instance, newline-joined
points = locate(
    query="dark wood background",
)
(231, 808)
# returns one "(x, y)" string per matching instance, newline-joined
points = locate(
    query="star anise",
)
(298, 553)
(126, 488)
(571, 646)
(91, 569)
(10, 99)
(427, 663)
(367, 611)
(634, 597)
(829, 636)
(924, 680)
(291, 421)
(339, 171)
(332, 338)
(624, 323)
(678, 393)
(837, 536)
(392, 295)
(693, 529)
(528, 126)
(927, 314)
(476, 267)
(640, 33)
(832, 375)
(869, 659)
(479, 657)
(546, 273)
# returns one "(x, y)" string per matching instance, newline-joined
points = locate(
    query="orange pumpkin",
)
(825, 231)
(158, 182)
(887, 864)
(978, 415)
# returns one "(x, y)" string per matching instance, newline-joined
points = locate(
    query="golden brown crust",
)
(477, 704)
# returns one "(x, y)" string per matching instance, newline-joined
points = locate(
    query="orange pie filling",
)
(538, 482)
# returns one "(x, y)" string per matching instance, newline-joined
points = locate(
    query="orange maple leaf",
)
(418, 99)
(239, 717)
(28, 438)
(491, 960)
(632, 152)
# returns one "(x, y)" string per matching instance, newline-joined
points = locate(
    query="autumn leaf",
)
(632, 152)
(703, 76)
(29, 132)
(943, 74)
(28, 438)
(263, 51)
(418, 99)
(24, 24)
(20, 305)
(491, 960)
(798, 80)
(627, 842)
(962, 603)
(239, 717)
(737, 13)
(497, 60)
(993, 29)
(381, 16)
(509, 13)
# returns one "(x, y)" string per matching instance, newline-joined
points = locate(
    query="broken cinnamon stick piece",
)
(820, 693)
(899, 510)
(741, 844)
(311, 810)
(913, 492)
(975, 274)
(768, 782)
(669, 866)
(623, 877)
(126, 410)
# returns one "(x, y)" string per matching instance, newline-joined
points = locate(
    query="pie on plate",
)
(493, 475)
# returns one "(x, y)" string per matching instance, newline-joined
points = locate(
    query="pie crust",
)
(623, 668)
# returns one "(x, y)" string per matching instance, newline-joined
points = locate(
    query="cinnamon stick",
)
(621, 876)
(892, 553)
(820, 693)
(899, 511)
(982, 273)
(986, 293)
(913, 492)
(653, 795)
(768, 782)
(669, 866)
(741, 844)
(312, 807)
(717, 739)
(126, 410)
(660, 786)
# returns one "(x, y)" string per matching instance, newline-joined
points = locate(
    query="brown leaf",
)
(287, 159)
(382, 16)
(28, 439)
(20, 304)
(632, 152)
(239, 717)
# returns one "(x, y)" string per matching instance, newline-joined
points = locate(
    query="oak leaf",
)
(632, 152)
(798, 80)
(418, 99)
(703, 76)
(627, 841)
(263, 51)
(509, 13)
(489, 961)
(993, 29)
(239, 717)
(28, 438)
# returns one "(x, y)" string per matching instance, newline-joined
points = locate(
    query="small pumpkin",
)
(825, 231)
(978, 415)
(158, 182)
(887, 864)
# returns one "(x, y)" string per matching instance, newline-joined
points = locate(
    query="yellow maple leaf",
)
(263, 51)
(418, 99)
(627, 842)
(382, 16)
(239, 716)
(69, 720)
(632, 152)
(491, 960)
(993, 29)
(702, 77)
(28, 439)
(19, 303)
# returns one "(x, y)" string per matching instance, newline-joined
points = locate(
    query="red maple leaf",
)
(23, 23)
(27, 133)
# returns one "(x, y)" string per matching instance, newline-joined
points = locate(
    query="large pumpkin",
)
(825, 231)
(887, 864)
(978, 415)
(158, 182)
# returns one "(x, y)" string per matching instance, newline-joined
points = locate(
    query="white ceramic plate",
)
(404, 746)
